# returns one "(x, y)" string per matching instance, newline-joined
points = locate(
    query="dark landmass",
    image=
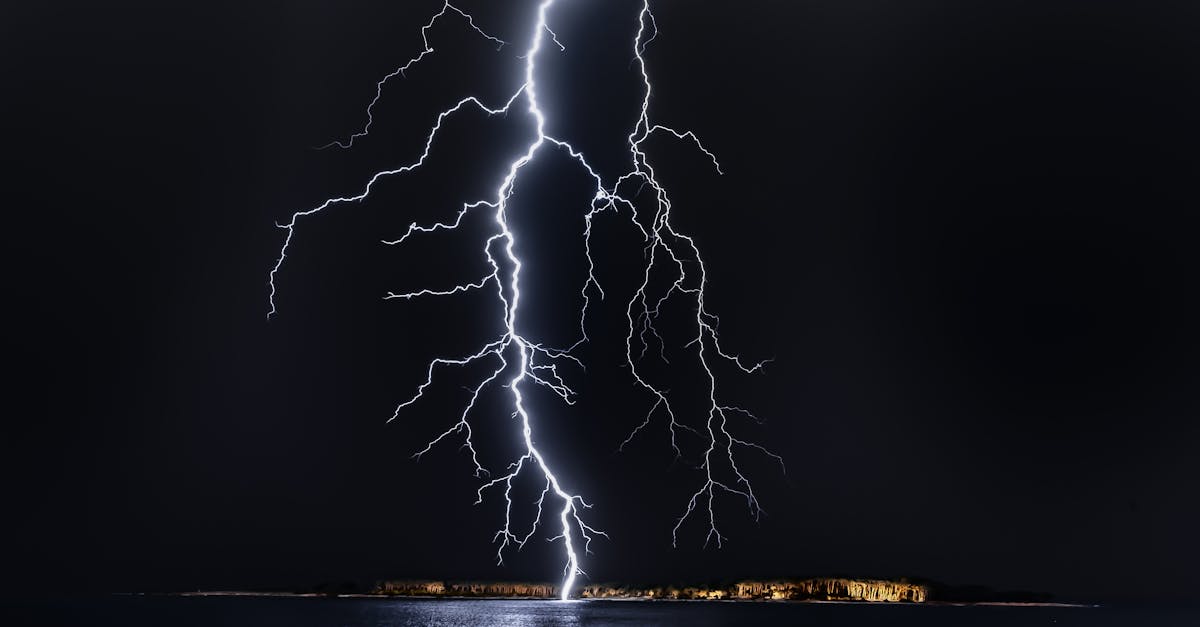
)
(813, 589)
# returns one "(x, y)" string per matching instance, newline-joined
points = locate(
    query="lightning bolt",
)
(518, 360)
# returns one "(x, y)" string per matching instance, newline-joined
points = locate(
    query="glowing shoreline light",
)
(665, 248)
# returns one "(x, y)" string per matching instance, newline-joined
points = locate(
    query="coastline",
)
(628, 599)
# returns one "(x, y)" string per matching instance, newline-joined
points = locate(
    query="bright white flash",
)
(519, 360)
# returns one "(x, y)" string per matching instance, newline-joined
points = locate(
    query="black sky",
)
(964, 231)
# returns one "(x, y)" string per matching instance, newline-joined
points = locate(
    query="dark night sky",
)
(963, 230)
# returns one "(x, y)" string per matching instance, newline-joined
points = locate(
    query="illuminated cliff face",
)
(468, 589)
(833, 590)
(411, 588)
(504, 589)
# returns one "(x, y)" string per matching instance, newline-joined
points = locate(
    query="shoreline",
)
(317, 595)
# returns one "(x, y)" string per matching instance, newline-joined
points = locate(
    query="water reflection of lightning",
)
(667, 249)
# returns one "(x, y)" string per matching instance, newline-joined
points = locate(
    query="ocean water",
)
(161, 611)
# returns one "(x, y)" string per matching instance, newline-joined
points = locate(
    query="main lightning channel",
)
(570, 501)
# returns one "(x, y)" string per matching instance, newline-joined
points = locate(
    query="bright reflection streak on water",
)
(523, 613)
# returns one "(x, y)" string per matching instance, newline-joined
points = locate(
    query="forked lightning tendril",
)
(518, 360)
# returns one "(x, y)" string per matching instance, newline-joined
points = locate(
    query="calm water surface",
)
(146, 611)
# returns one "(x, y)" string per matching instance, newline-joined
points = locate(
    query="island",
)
(814, 589)
(832, 589)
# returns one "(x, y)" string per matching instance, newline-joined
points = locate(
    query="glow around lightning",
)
(519, 360)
